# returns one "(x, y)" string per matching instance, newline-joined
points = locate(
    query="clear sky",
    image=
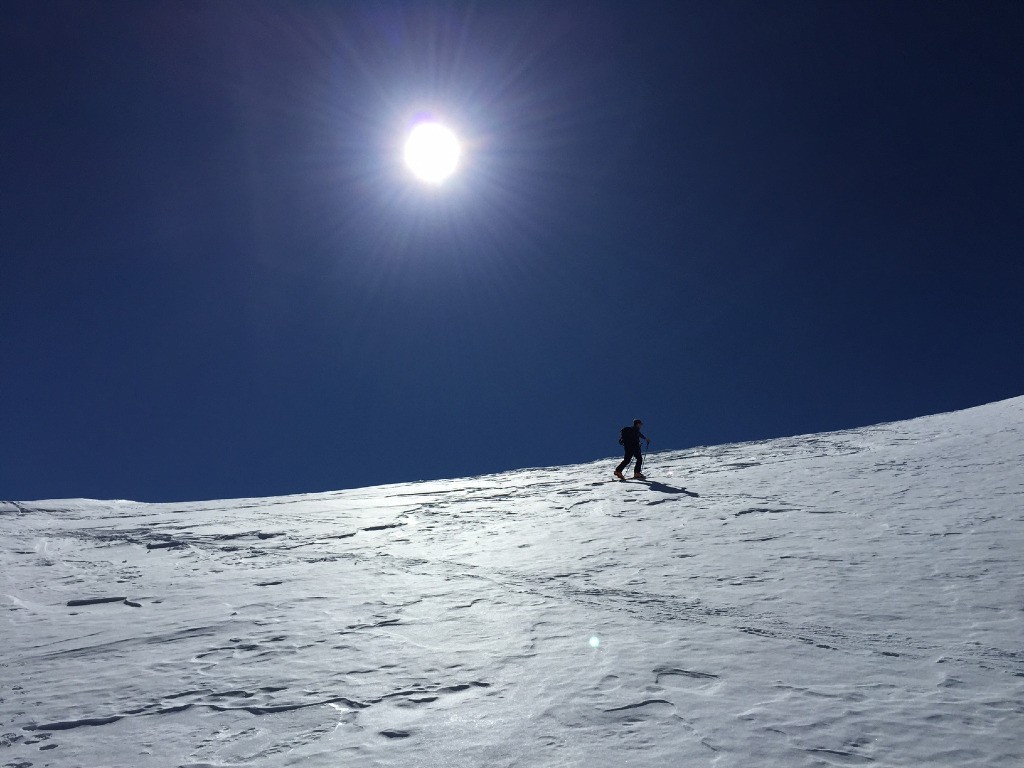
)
(733, 220)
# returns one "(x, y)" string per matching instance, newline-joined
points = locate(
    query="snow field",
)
(843, 599)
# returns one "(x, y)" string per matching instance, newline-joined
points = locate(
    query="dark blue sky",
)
(732, 220)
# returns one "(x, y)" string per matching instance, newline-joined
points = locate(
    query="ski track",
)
(843, 599)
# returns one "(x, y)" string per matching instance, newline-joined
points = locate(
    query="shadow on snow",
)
(662, 488)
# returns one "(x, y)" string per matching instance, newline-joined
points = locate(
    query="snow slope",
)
(839, 599)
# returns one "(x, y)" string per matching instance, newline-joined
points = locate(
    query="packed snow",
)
(843, 599)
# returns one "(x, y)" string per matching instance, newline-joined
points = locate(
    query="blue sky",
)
(732, 220)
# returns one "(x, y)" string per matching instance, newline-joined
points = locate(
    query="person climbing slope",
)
(630, 440)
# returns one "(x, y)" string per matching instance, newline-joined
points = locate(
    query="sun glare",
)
(432, 152)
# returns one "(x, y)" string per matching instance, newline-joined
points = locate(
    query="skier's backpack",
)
(622, 434)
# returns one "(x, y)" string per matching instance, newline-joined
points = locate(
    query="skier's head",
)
(637, 423)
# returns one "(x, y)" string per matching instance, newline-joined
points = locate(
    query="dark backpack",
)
(622, 435)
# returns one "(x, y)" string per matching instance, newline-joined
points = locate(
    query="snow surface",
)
(840, 599)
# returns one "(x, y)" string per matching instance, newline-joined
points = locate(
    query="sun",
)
(432, 152)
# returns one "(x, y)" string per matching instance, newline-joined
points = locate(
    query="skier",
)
(630, 440)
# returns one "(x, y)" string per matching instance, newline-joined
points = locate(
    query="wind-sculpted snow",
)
(828, 600)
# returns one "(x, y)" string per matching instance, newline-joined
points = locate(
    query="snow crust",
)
(844, 599)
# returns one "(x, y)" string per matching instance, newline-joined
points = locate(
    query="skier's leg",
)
(625, 462)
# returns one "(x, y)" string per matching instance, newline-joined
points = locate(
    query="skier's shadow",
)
(662, 488)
